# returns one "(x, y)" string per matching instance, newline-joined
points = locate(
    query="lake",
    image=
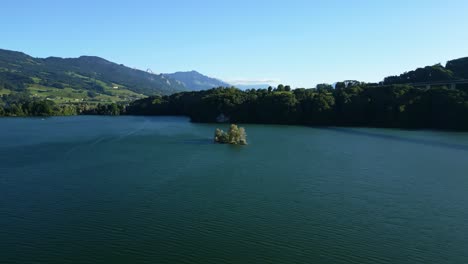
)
(157, 190)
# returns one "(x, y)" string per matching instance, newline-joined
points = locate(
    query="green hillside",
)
(84, 79)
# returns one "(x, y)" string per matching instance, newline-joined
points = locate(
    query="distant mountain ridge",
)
(19, 71)
(253, 86)
(195, 81)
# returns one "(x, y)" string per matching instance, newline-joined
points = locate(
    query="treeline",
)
(349, 103)
(453, 70)
(391, 103)
(23, 105)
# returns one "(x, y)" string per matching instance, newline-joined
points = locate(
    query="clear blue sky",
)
(301, 43)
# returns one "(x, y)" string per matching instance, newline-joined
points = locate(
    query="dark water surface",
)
(156, 190)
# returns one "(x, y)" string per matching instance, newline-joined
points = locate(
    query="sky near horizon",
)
(294, 42)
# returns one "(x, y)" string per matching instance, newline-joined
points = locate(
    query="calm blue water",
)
(156, 190)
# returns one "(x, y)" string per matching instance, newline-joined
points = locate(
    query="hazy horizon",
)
(299, 43)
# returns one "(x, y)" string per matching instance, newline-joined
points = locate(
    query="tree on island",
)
(235, 136)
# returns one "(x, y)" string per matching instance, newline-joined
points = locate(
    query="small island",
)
(235, 136)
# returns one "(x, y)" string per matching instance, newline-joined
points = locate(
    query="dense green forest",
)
(454, 70)
(350, 103)
(21, 104)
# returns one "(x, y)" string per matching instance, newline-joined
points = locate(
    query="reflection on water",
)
(158, 190)
(198, 141)
(425, 142)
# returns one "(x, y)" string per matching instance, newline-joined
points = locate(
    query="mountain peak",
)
(196, 81)
(12, 55)
(186, 72)
(76, 73)
(94, 59)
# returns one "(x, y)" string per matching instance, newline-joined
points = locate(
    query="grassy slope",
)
(4, 91)
(84, 79)
(71, 95)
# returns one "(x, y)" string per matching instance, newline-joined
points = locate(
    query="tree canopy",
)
(235, 136)
(20, 104)
(351, 104)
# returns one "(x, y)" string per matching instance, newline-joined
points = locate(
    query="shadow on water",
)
(205, 141)
(424, 142)
(198, 141)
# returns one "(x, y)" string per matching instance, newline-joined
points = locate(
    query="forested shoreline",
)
(352, 104)
(22, 105)
(396, 102)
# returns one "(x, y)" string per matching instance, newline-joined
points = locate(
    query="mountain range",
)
(93, 79)
(90, 78)
(195, 81)
(253, 86)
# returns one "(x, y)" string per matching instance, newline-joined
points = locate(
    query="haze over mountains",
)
(195, 81)
(252, 86)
